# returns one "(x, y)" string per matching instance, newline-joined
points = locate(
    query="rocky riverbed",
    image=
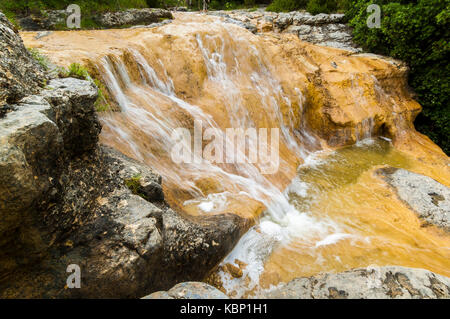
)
(322, 29)
(67, 199)
(389, 282)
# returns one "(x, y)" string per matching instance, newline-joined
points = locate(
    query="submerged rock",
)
(371, 282)
(429, 199)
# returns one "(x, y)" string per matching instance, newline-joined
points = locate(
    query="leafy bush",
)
(78, 71)
(417, 32)
(40, 58)
(321, 6)
(287, 5)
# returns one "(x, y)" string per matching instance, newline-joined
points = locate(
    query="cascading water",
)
(323, 210)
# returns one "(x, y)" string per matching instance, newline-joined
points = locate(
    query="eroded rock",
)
(429, 199)
(66, 200)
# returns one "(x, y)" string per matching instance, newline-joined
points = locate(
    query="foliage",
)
(134, 186)
(312, 6)
(101, 104)
(321, 6)
(40, 58)
(87, 6)
(417, 32)
(287, 5)
(76, 70)
(14, 9)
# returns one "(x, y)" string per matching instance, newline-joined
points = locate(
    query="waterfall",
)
(322, 209)
(151, 110)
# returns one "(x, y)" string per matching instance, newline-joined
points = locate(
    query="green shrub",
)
(321, 6)
(40, 58)
(101, 104)
(287, 5)
(134, 185)
(154, 3)
(417, 32)
(78, 71)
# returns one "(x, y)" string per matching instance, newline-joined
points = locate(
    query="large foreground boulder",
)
(65, 200)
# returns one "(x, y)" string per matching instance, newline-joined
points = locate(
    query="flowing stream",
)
(322, 210)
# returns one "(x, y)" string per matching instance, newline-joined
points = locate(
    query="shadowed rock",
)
(66, 200)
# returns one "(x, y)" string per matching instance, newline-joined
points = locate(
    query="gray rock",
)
(73, 113)
(365, 283)
(249, 26)
(282, 22)
(132, 17)
(42, 34)
(189, 290)
(429, 199)
(20, 74)
(300, 18)
(294, 29)
(37, 137)
(179, 9)
(46, 20)
(322, 29)
(152, 25)
(31, 143)
(126, 243)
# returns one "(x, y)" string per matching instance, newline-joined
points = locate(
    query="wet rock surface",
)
(429, 199)
(389, 282)
(20, 75)
(189, 290)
